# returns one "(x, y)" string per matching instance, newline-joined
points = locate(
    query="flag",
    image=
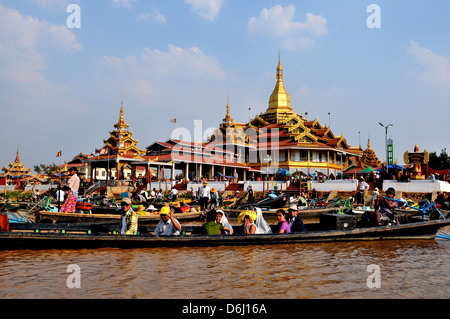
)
(59, 154)
(173, 120)
(104, 151)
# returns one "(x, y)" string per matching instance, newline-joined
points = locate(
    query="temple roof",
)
(369, 157)
(17, 168)
(121, 141)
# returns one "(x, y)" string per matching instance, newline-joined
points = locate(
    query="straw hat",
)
(177, 205)
(252, 216)
(213, 190)
(205, 183)
(141, 208)
(126, 200)
(164, 211)
(293, 207)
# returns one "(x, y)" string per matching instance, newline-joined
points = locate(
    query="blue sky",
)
(60, 88)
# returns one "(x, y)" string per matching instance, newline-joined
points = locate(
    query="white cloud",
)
(51, 3)
(123, 3)
(207, 9)
(23, 41)
(436, 67)
(153, 16)
(278, 22)
(176, 61)
(155, 72)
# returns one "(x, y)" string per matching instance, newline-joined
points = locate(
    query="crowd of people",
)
(217, 223)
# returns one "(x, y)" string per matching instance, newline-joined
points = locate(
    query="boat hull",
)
(22, 240)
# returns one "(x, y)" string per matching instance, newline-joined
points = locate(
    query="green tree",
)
(440, 162)
(46, 169)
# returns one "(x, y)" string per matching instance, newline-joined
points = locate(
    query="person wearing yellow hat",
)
(248, 218)
(141, 211)
(129, 218)
(205, 196)
(193, 193)
(168, 226)
(214, 202)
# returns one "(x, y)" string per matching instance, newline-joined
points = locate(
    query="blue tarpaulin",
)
(396, 166)
(231, 177)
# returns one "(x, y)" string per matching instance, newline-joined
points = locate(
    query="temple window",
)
(303, 156)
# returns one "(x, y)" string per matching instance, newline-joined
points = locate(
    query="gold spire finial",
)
(279, 68)
(228, 119)
(280, 101)
(17, 156)
(121, 125)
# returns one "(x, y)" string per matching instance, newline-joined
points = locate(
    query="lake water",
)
(407, 269)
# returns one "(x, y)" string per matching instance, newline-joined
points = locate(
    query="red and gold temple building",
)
(282, 139)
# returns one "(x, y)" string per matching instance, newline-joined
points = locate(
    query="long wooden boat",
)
(64, 240)
(232, 215)
(76, 218)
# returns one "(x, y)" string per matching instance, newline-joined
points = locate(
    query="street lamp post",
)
(386, 145)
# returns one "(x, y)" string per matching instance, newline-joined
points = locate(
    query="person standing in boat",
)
(214, 199)
(69, 205)
(129, 220)
(168, 226)
(250, 194)
(205, 196)
(283, 225)
(295, 222)
(363, 187)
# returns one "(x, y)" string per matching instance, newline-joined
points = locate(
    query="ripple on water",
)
(416, 269)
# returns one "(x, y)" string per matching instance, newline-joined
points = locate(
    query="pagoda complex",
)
(16, 169)
(121, 142)
(120, 156)
(369, 157)
(280, 138)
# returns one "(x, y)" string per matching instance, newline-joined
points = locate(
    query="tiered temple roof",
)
(16, 169)
(280, 128)
(121, 142)
(370, 158)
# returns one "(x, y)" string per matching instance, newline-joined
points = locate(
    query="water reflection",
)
(416, 269)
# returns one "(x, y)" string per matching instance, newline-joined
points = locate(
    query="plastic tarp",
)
(230, 177)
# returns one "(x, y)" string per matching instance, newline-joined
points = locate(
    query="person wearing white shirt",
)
(363, 187)
(205, 195)
(174, 193)
(168, 226)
